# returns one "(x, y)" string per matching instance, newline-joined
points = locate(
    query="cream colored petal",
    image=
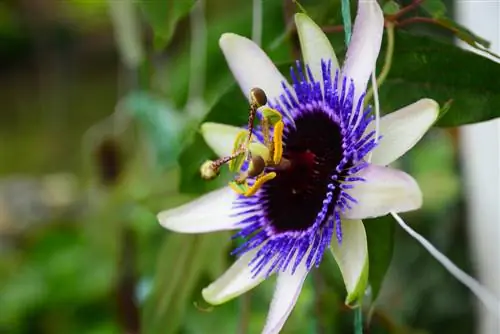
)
(352, 258)
(365, 44)
(402, 129)
(384, 190)
(237, 280)
(288, 287)
(210, 212)
(315, 46)
(250, 65)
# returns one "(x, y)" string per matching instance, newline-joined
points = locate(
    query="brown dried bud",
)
(208, 171)
(258, 97)
(109, 161)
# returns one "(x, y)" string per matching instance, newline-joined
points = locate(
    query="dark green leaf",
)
(463, 33)
(163, 16)
(436, 8)
(391, 7)
(380, 237)
(423, 67)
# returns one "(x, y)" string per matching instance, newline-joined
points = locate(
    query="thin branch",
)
(420, 19)
(405, 10)
(333, 29)
(195, 105)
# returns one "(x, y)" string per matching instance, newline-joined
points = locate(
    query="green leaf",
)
(183, 260)
(391, 7)
(161, 123)
(380, 237)
(163, 16)
(235, 17)
(464, 34)
(423, 67)
(436, 8)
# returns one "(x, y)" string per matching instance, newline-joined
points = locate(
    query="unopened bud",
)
(208, 170)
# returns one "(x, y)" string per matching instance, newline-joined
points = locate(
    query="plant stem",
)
(358, 320)
(414, 5)
(244, 313)
(346, 18)
(319, 285)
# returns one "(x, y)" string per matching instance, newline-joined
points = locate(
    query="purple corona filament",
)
(296, 214)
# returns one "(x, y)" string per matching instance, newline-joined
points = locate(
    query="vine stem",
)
(346, 18)
(414, 5)
(358, 320)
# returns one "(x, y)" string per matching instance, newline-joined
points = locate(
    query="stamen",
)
(257, 99)
(258, 183)
(278, 142)
(257, 166)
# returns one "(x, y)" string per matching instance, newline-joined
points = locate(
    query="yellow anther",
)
(278, 142)
(258, 183)
(257, 97)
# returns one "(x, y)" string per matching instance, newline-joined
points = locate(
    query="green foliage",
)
(436, 8)
(163, 16)
(162, 125)
(62, 277)
(182, 261)
(424, 67)
(380, 237)
(391, 7)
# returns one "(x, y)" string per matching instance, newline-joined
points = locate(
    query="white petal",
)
(288, 287)
(237, 280)
(365, 44)
(210, 212)
(221, 137)
(402, 129)
(352, 258)
(250, 65)
(384, 190)
(315, 45)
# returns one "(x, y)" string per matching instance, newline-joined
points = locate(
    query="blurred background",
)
(101, 102)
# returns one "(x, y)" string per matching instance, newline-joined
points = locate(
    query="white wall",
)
(480, 157)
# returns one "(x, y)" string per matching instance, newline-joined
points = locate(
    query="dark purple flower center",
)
(314, 148)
